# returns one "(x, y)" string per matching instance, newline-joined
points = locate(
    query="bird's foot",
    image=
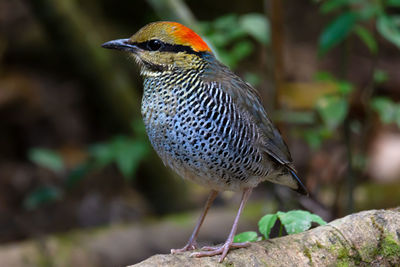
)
(223, 250)
(189, 246)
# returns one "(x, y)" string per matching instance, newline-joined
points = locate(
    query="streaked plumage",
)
(211, 130)
(205, 122)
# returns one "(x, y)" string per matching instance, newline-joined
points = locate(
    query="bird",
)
(205, 122)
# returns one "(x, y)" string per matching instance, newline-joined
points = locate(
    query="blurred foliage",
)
(294, 221)
(336, 32)
(353, 17)
(229, 34)
(380, 76)
(388, 110)
(46, 158)
(42, 195)
(332, 109)
(126, 152)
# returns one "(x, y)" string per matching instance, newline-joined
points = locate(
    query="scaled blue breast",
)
(199, 131)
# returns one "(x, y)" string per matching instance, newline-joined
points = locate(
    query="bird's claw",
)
(188, 247)
(223, 250)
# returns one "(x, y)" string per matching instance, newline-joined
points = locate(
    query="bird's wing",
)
(248, 100)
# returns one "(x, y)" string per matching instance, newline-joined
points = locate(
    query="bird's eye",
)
(154, 45)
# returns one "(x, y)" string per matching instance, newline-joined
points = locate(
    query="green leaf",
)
(397, 116)
(333, 110)
(393, 3)
(77, 174)
(331, 5)
(103, 154)
(225, 22)
(266, 223)
(369, 11)
(389, 28)
(46, 158)
(380, 76)
(257, 26)
(367, 38)
(297, 221)
(138, 128)
(294, 117)
(223, 30)
(128, 156)
(126, 152)
(317, 219)
(240, 51)
(324, 76)
(218, 40)
(252, 78)
(313, 138)
(336, 32)
(345, 87)
(386, 109)
(42, 195)
(245, 237)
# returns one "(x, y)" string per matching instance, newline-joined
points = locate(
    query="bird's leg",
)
(223, 250)
(191, 244)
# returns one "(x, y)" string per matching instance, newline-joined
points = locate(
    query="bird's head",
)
(161, 46)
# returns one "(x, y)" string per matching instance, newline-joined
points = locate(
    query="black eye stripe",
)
(157, 45)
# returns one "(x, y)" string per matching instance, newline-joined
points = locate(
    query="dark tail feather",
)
(301, 188)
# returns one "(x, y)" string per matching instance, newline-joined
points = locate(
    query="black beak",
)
(120, 44)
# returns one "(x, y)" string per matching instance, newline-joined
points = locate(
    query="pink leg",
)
(191, 245)
(223, 250)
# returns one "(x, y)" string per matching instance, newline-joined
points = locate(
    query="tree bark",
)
(368, 238)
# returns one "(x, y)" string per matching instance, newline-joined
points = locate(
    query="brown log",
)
(368, 238)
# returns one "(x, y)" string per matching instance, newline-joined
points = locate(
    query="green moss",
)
(389, 248)
(307, 252)
(345, 256)
(377, 225)
(319, 245)
(342, 263)
(345, 259)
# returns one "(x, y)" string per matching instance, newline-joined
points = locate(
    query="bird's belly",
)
(199, 152)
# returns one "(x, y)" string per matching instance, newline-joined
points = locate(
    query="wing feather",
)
(248, 100)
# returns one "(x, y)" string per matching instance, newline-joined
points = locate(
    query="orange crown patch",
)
(186, 36)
